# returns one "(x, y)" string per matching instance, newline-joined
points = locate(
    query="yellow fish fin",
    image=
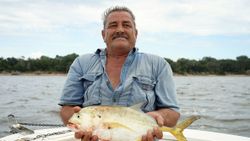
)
(184, 124)
(177, 131)
(111, 125)
(138, 139)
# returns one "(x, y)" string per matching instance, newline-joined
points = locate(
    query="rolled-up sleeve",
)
(165, 87)
(72, 93)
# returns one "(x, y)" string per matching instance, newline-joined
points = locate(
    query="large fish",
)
(116, 123)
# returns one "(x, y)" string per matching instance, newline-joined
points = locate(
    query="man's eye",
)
(112, 25)
(127, 25)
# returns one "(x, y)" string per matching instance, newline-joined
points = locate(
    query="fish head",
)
(86, 119)
(80, 121)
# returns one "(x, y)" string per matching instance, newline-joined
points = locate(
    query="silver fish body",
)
(116, 123)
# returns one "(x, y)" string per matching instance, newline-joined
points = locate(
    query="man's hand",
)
(156, 132)
(67, 111)
(85, 136)
(163, 117)
(158, 117)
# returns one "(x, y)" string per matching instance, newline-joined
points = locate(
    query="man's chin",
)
(120, 45)
(121, 48)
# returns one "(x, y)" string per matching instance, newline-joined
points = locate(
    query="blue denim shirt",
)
(145, 78)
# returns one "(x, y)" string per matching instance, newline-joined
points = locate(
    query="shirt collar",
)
(102, 52)
(129, 60)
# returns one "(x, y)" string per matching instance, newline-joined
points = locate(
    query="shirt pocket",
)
(144, 82)
(143, 92)
(88, 80)
(91, 84)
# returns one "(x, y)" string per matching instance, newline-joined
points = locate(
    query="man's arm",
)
(165, 116)
(170, 116)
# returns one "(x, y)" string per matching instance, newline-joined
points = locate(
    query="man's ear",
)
(103, 35)
(136, 33)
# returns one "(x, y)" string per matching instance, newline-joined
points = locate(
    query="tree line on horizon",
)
(61, 64)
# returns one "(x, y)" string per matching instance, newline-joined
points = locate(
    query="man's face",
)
(119, 33)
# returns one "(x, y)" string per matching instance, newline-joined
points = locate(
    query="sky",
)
(173, 29)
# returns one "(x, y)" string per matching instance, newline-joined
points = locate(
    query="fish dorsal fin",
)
(111, 125)
(137, 106)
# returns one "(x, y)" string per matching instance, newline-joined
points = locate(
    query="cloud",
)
(194, 16)
(211, 17)
(36, 55)
(44, 16)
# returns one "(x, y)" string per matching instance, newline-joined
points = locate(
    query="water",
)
(222, 101)
(30, 99)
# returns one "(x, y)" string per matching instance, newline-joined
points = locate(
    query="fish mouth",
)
(73, 127)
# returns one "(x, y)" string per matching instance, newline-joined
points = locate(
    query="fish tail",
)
(177, 131)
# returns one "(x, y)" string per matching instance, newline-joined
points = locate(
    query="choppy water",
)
(222, 101)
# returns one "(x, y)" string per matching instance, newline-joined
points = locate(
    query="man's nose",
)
(119, 28)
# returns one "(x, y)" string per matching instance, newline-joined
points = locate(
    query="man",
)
(120, 75)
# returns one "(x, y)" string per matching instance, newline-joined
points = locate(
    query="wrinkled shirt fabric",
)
(145, 78)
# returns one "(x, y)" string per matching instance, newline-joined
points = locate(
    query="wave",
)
(228, 118)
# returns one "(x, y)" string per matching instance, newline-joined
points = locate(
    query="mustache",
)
(119, 35)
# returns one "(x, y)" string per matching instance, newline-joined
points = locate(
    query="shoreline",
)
(210, 75)
(65, 74)
(33, 74)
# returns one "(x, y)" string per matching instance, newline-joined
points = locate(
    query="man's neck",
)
(117, 56)
(116, 60)
(114, 64)
(117, 52)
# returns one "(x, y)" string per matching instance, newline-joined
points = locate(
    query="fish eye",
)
(78, 116)
(99, 116)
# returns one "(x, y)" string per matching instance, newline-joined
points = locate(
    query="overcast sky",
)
(170, 28)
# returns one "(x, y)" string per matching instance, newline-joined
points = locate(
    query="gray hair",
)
(116, 9)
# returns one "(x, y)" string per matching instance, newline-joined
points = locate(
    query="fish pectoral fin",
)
(111, 125)
(184, 124)
(137, 106)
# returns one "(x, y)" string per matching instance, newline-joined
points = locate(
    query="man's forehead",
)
(119, 16)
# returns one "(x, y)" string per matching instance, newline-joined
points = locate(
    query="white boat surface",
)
(64, 134)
